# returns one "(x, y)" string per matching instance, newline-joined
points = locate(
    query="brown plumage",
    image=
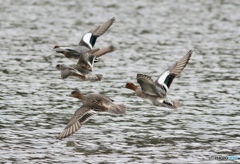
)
(92, 104)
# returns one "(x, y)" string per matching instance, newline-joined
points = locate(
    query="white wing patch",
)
(86, 39)
(162, 78)
(160, 100)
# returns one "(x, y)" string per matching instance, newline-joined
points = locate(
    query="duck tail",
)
(95, 77)
(99, 76)
(176, 104)
(118, 109)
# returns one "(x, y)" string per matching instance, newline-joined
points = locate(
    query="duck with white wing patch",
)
(155, 92)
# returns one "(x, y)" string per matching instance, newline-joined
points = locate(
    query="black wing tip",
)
(113, 18)
(112, 48)
(59, 138)
(190, 52)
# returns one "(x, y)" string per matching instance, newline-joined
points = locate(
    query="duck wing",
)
(103, 51)
(101, 29)
(147, 85)
(89, 39)
(81, 116)
(164, 81)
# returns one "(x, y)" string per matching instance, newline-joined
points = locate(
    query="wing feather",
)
(103, 51)
(81, 116)
(164, 81)
(101, 29)
(147, 84)
(178, 67)
(89, 39)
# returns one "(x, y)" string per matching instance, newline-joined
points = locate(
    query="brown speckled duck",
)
(84, 67)
(91, 104)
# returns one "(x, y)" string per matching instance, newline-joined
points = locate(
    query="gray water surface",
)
(149, 36)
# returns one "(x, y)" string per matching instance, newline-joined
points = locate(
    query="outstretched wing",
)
(101, 29)
(89, 39)
(103, 51)
(164, 81)
(178, 67)
(82, 115)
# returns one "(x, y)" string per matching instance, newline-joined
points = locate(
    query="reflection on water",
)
(149, 37)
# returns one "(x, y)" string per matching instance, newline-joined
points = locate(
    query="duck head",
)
(58, 67)
(77, 94)
(131, 86)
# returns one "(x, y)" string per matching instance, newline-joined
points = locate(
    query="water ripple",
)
(149, 37)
